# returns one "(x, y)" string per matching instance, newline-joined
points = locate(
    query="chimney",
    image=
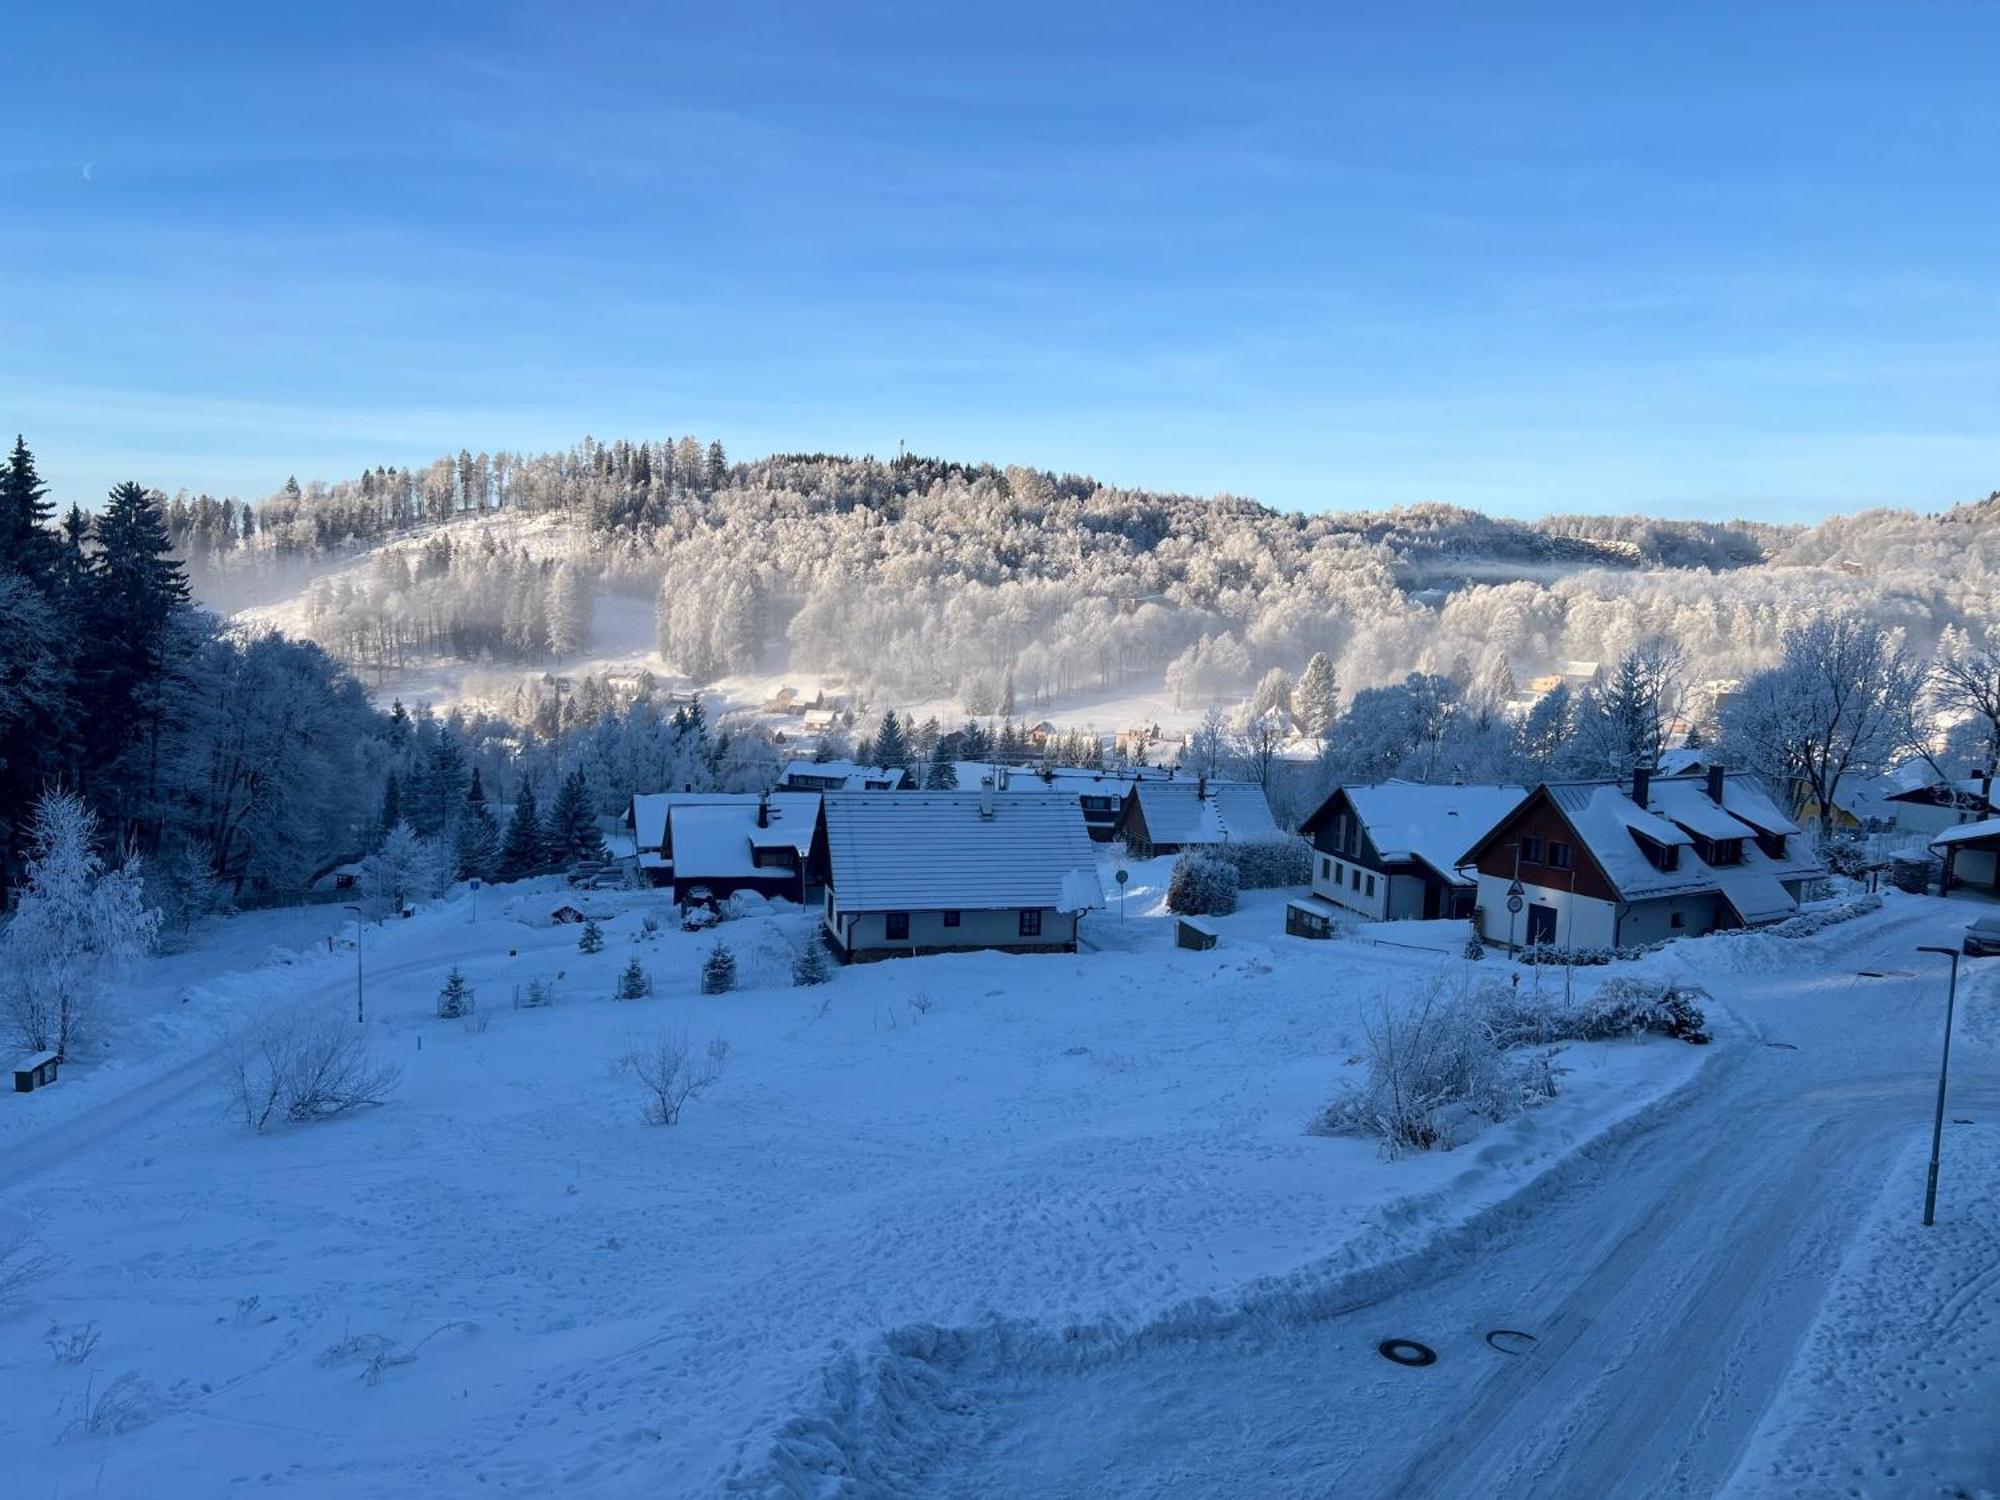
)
(764, 810)
(986, 796)
(1715, 785)
(1642, 784)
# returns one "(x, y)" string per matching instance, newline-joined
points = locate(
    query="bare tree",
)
(303, 1065)
(670, 1076)
(1965, 685)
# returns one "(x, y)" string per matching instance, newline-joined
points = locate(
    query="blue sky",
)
(1687, 259)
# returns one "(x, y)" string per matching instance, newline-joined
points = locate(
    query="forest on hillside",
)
(920, 579)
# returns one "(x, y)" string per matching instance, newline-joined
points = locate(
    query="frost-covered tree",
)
(455, 999)
(406, 868)
(1210, 746)
(718, 971)
(571, 833)
(592, 939)
(525, 848)
(76, 924)
(1316, 700)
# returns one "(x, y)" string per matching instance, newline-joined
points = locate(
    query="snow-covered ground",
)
(1011, 1145)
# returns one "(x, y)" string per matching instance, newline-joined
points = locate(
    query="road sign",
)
(474, 882)
(1513, 903)
(1122, 876)
(1517, 889)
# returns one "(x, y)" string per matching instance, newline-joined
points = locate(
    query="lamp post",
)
(360, 1016)
(1944, 1067)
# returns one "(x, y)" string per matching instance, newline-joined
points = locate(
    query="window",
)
(1558, 854)
(899, 926)
(1371, 885)
(1339, 872)
(1676, 921)
(1531, 851)
(951, 919)
(1325, 868)
(1354, 876)
(1031, 923)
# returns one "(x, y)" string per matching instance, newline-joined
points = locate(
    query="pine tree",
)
(1316, 699)
(718, 973)
(442, 786)
(973, 742)
(523, 852)
(942, 775)
(455, 999)
(716, 470)
(592, 940)
(572, 833)
(392, 804)
(809, 968)
(633, 983)
(892, 746)
(27, 545)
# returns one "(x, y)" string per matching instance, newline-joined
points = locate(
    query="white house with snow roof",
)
(1192, 812)
(929, 872)
(1391, 850)
(715, 844)
(841, 776)
(1610, 863)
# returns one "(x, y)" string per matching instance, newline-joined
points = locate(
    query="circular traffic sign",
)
(1514, 903)
(1122, 876)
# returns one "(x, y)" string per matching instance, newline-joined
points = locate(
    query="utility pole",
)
(1944, 1068)
(360, 1015)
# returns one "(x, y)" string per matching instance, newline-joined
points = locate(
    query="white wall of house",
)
(1976, 866)
(1581, 921)
(869, 931)
(1653, 921)
(1334, 878)
(1924, 817)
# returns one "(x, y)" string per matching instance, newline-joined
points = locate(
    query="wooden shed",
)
(1192, 932)
(1309, 917)
(36, 1072)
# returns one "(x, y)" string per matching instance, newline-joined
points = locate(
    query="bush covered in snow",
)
(1806, 923)
(1474, 949)
(1623, 1006)
(1580, 958)
(1267, 864)
(810, 967)
(304, 1065)
(1201, 886)
(1433, 1070)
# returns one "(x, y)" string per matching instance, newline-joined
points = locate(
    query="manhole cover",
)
(1510, 1340)
(1407, 1352)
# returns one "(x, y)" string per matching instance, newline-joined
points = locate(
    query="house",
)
(841, 776)
(1929, 803)
(1971, 857)
(931, 872)
(1101, 794)
(566, 915)
(1167, 816)
(1607, 863)
(1391, 851)
(819, 720)
(724, 842)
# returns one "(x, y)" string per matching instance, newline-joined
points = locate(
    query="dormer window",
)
(1660, 856)
(1720, 851)
(1773, 844)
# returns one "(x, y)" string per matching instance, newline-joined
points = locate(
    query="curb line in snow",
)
(876, 1420)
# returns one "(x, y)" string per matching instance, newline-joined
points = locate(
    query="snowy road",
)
(1668, 1283)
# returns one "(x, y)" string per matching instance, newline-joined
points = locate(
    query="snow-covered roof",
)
(1966, 833)
(1754, 895)
(1072, 779)
(1970, 791)
(1605, 817)
(932, 851)
(33, 1061)
(1190, 812)
(1410, 820)
(711, 839)
(840, 775)
(650, 810)
(1681, 761)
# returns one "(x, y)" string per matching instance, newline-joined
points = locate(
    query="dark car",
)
(1982, 938)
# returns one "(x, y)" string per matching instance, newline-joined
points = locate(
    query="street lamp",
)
(360, 1017)
(1937, 1124)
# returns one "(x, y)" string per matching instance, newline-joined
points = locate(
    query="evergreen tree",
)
(718, 972)
(592, 940)
(716, 470)
(973, 741)
(1316, 700)
(392, 803)
(27, 546)
(455, 999)
(572, 833)
(443, 785)
(633, 983)
(892, 745)
(522, 852)
(809, 968)
(941, 775)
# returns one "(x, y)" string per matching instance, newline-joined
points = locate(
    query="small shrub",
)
(1623, 1006)
(1806, 923)
(718, 972)
(22, 1265)
(455, 999)
(1474, 949)
(635, 983)
(125, 1405)
(74, 1345)
(696, 917)
(649, 924)
(539, 995)
(592, 940)
(810, 967)
(1201, 886)
(922, 1003)
(301, 1066)
(670, 1077)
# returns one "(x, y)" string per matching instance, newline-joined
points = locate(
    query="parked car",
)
(1982, 938)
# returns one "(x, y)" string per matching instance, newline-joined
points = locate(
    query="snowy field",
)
(591, 1304)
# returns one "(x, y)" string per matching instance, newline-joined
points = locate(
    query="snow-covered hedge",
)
(1267, 864)
(1623, 1006)
(1201, 886)
(1806, 923)
(1584, 957)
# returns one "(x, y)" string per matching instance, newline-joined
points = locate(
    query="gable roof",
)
(1967, 833)
(1430, 824)
(650, 810)
(1187, 812)
(1605, 819)
(932, 851)
(715, 839)
(851, 776)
